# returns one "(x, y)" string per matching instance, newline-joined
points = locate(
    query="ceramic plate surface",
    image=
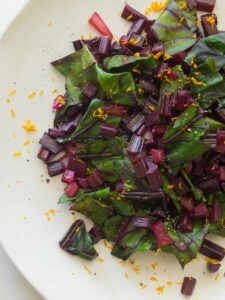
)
(41, 33)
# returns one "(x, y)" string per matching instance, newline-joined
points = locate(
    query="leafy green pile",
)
(136, 180)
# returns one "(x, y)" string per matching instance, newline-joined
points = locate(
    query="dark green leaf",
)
(186, 152)
(111, 167)
(111, 227)
(94, 209)
(192, 241)
(201, 52)
(176, 35)
(171, 192)
(126, 63)
(82, 244)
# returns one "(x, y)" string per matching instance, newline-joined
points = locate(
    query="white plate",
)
(41, 33)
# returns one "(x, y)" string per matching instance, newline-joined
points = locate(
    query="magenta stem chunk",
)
(188, 286)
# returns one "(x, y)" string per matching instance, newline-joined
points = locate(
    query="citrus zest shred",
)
(151, 107)
(217, 276)
(137, 54)
(157, 251)
(144, 286)
(126, 274)
(27, 142)
(136, 70)
(101, 260)
(130, 17)
(167, 56)
(169, 283)
(55, 91)
(156, 6)
(211, 20)
(31, 95)
(170, 186)
(87, 269)
(12, 92)
(154, 265)
(29, 126)
(107, 245)
(17, 153)
(49, 23)
(100, 114)
(13, 114)
(122, 263)
(41, 93)
(134, 42)
(153, 279)
(160, 289)
(183, 5)
(8, 100)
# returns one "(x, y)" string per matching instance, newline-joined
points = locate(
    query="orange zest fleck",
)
(12, 92)
(169, 283)
(137, 54)
(217, 276)
(126, 274)
(101, 260)
(211, 20)
(107, 245)
(156, 6)
(130, 17)
(32, 95)
(122, 263)
(13, 114)
(17, 153)
(151, 107)
(157, 251)
(49, 23)
(154, 265)
(41, 93)
(154, 279)
(100, 114)
(55, 91)
(27, 142)
(183, 5)
(87, 269)
(160, 289)
(8, 100)
(29, 126)
(144, 286)
(170, 186)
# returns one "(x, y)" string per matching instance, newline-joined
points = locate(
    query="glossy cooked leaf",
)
(182, 120)
(64, 198)
(94, 209)
(147, 243)
(111, 227)
(123, 207)
(174, 33)
(110, 167)
(102, 194)
(201, 52)
(216, 42)
(128, 244)
(211, 83)
(102, 145)
(126, 63)
(170, 192)
(192, 241)
(81, 244)
(186, 152)
(76, 62)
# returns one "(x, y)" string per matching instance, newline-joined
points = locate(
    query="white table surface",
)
(13, 286)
